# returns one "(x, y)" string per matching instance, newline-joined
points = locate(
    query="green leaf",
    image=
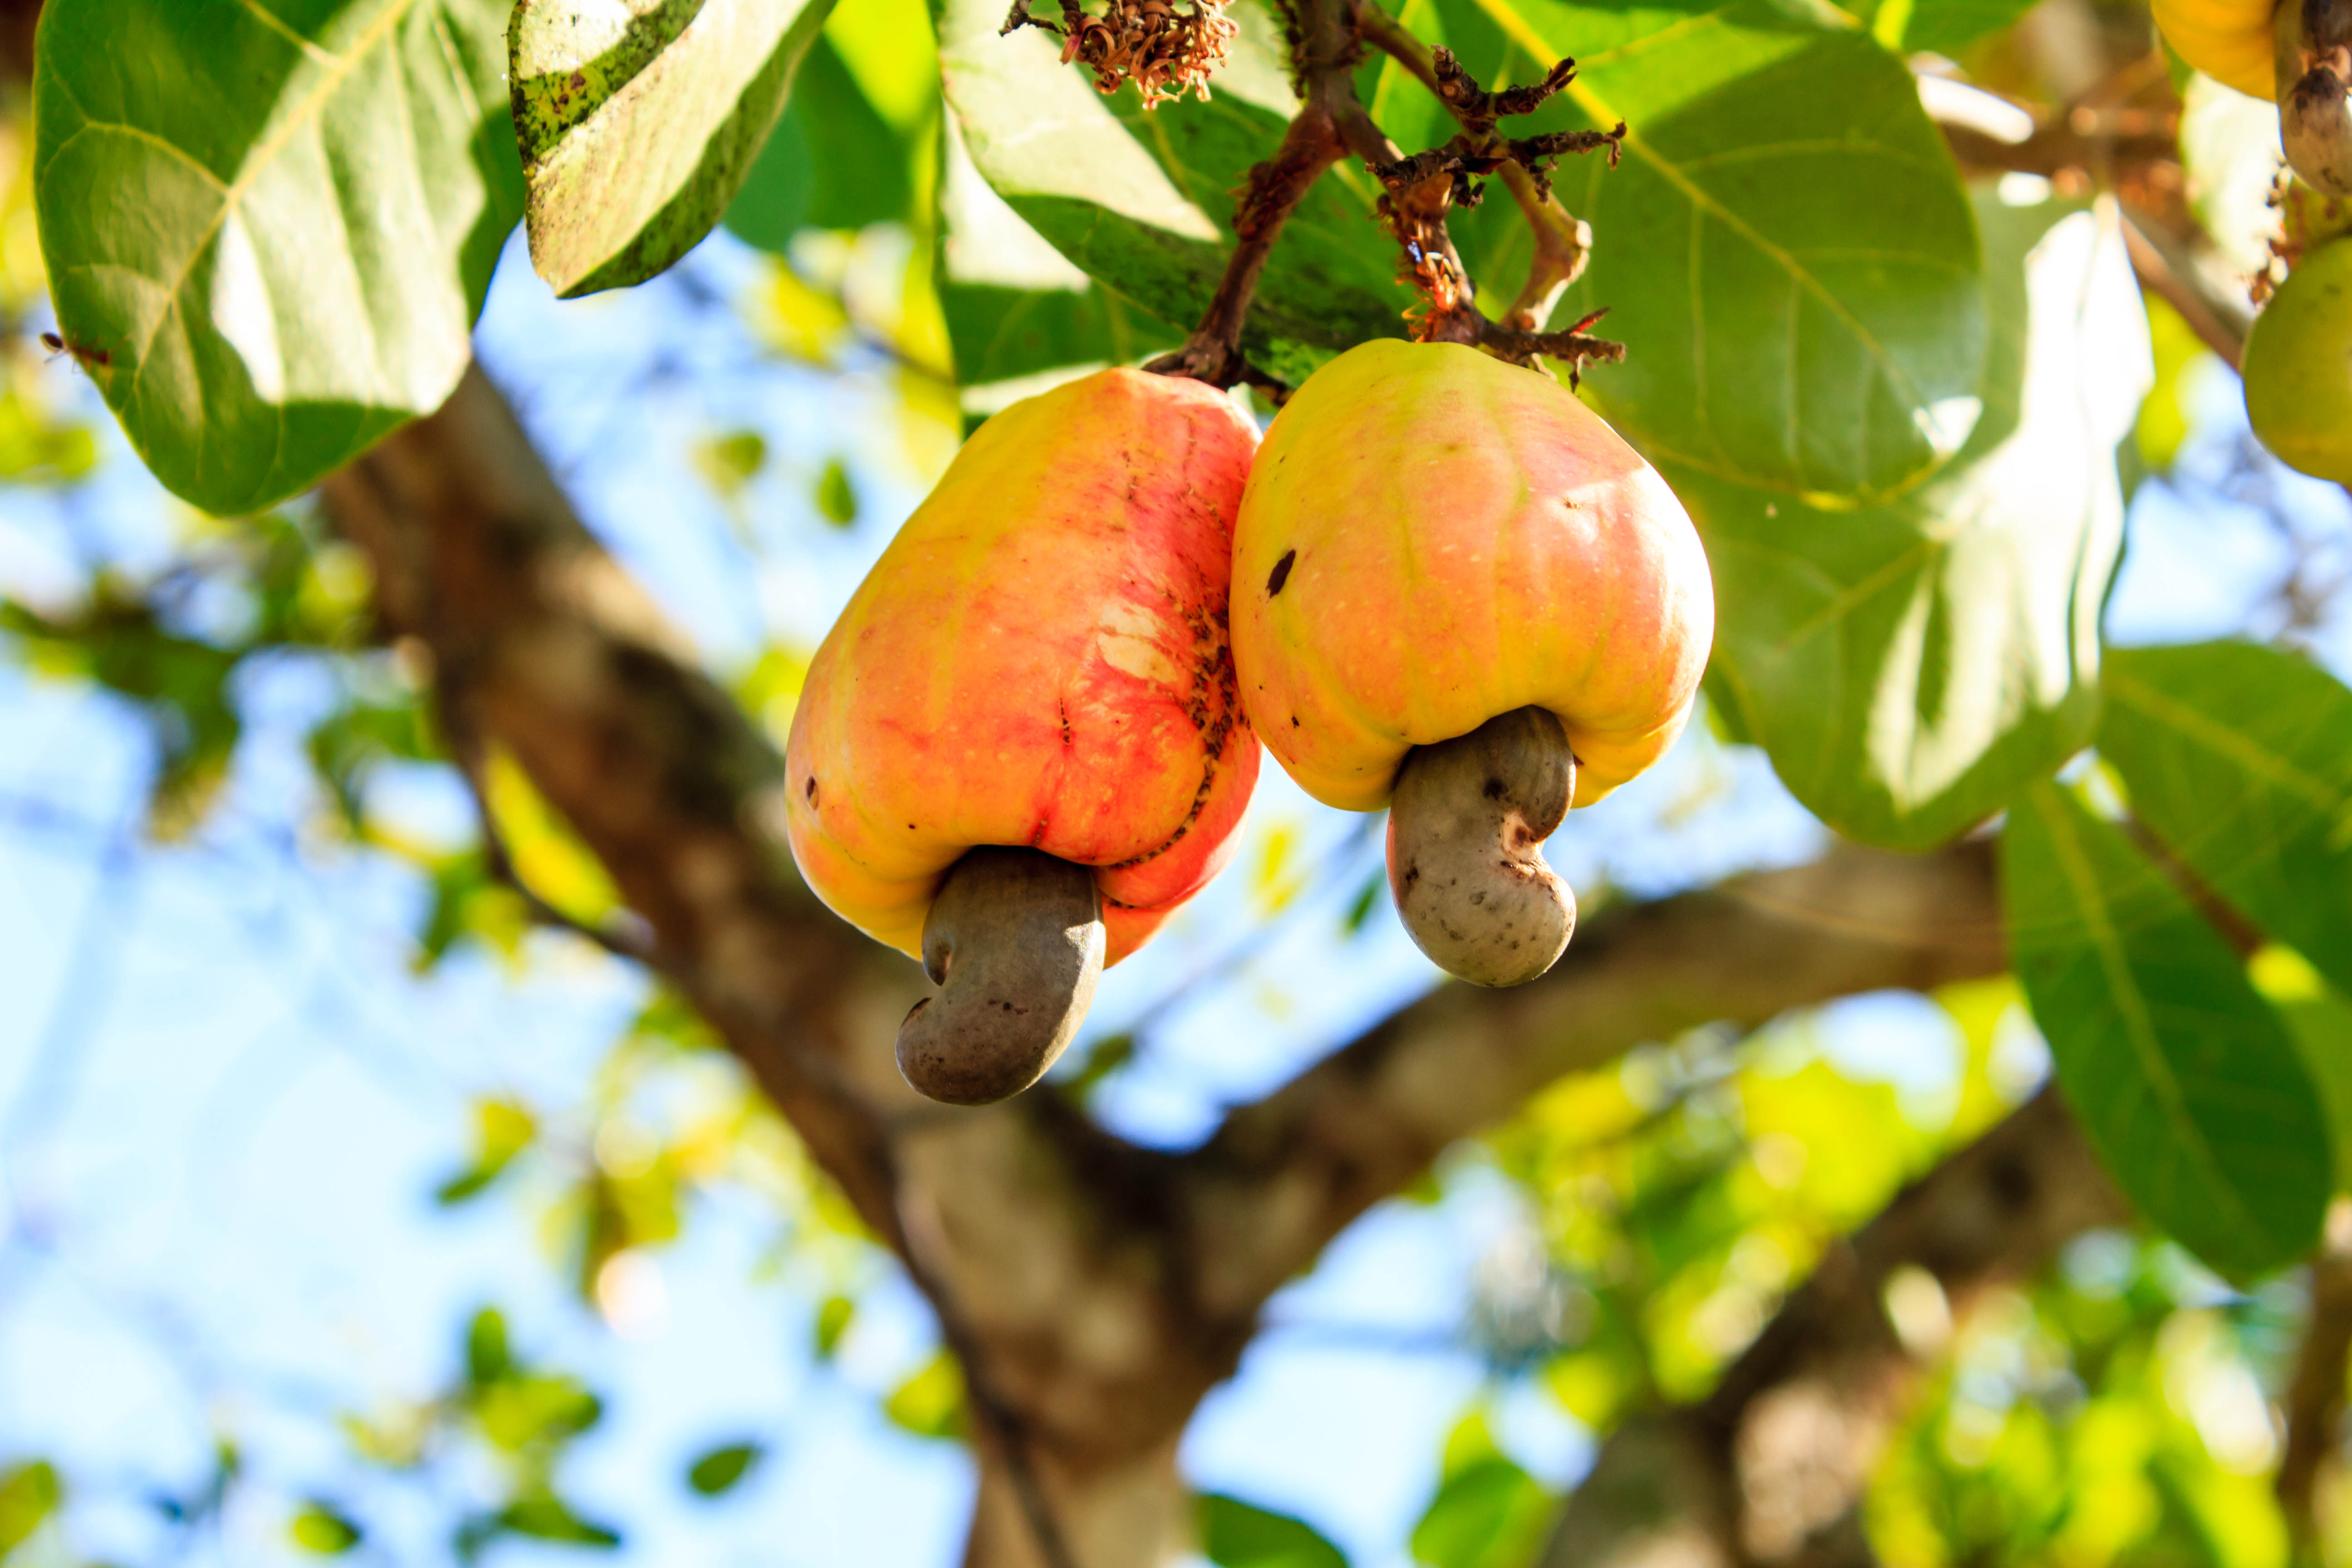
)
(1359, 908)
(1786, 249)
(543, 1516)
(719, 1470)
(1237, 1534)
(1909, 667)
(834, 1316)
(639, 123)
(837, 498)
(2321, 1022)
(487, 1357)
(831, 163)
(1941, 26)
(502, 1130)
(323, 1529)
(1014, 307)
(1489, 1514)
(2184, 1079)
(2240, 758)
(1001, 333)
(276, 277)
(731, 461)
(1143, 200)
(523, 1410)
(929, 1404)
(30, 1493)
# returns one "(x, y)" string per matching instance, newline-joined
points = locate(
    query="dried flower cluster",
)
(1161, 49)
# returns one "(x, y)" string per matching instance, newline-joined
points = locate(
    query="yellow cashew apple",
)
(2228, 41)
(2298, 366)
(1038, 660)
(1454, 584)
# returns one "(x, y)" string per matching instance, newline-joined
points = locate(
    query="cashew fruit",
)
(2228, 41)
(2294, 51)
(1430, 540)
(1038, 660)
(2298, 366)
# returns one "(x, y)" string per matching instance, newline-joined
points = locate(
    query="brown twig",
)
(1273, 191)
(1477, 109)
(1563, 242)
(2205, 316)
(1327, 39)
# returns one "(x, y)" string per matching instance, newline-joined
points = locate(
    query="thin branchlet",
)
(1539, 155)
(1477, 109)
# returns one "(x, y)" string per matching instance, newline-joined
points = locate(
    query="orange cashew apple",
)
(1038, 662)
(1458, 592)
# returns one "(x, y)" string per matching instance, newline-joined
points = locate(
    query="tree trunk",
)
(1132, 1514)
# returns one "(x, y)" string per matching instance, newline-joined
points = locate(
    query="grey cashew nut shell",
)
(1467, 828)
(1014, 940)
(2312, 43)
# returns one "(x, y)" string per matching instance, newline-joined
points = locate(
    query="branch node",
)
(1574, 346)
(1477, 109)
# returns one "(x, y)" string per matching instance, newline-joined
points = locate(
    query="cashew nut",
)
(1467, 828)
(1014, 942)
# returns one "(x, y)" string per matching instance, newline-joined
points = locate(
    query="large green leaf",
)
(2320, 1020)
(1489, 1514)
(1016, 307)
(2240, 758)
(1909, 666)
(1786, 250)
(274, 220)
(1941, 26)
(1237, 1534)
(639, 122)
(833, 162)
(2186, 1081)
(1142, 200)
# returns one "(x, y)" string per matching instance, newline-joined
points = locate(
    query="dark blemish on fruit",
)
(811, 791)
(1493, 789)
(1281, 573)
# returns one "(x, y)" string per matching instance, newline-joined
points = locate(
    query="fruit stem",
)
(1466, 828)
(1563, 242)
(1274, 189)
(1014, 940)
